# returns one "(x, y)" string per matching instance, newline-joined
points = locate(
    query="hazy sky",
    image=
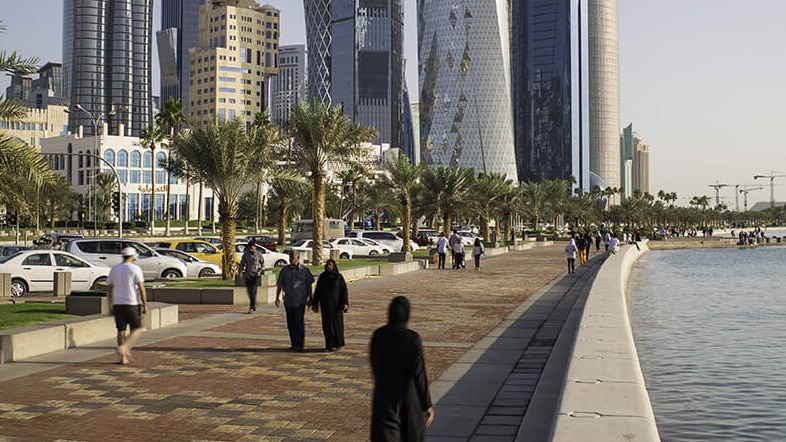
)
(701, 80)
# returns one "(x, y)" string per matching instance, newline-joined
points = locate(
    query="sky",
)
(702, 81)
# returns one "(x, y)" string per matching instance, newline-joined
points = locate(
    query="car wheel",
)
(206, 272)
(171, 274)
(343, 256)
(18, 288)
(97, 283)
(373, 253)
(280, 263)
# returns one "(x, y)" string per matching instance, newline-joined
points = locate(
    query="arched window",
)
(81, 161)
(87, 159)
(136, 159)
(122, 158)
(160, 159)
(109, 156)
(147, 157)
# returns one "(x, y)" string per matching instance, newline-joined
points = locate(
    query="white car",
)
(357, 246)
(106, 252)
(197, 268)
(385, 248)
(34, 271)
(388, 238)
(304, 247)
(467, 237)
(272, 259)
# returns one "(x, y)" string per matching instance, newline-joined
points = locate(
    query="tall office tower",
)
(408, 140)
(179, 32)
(604, 98)
(626, 162)
(107, 63)
(237, 54)
(48, 88)
(318, 13)
(641, 165)
(20, 88)
(466, 116)
(288, 89)
(367, 71)
(550, 90)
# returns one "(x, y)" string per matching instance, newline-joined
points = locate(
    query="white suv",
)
(387, 238)
(106, 252)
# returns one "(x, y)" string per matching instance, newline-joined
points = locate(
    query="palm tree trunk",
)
(199, 210)
(188, 204)
(228, 225)
(406, 211)
(168, 199)
(282, 223)
(256, 209)
(318, 204)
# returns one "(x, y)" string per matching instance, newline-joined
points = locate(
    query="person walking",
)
(252, 264)
(458, 255)
(401, 406)
(128, 299)
(442, 249)
(295, 280)
(454, 238)
(477, 251)
(332, 297)
(581, 245)
(571, 250)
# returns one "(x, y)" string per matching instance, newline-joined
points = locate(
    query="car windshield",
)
(302, 243)
(6, 258)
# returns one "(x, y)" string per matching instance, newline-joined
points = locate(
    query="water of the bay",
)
(710, 330)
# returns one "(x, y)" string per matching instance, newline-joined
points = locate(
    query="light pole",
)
(95, 119)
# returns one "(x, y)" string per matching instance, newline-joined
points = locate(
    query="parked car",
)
(272, 259)
(197, 268)
(106, 251)
(34, 270)
(467, 237)
(200, 249)
(385, 248)
(357, 246)
(215, 240)
(383, 237)
(304, 246)
(54, 240)
(10, 250)
(267, 242)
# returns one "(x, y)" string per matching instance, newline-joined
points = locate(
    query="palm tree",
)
(323, 134)
(486, 190)
(57, 199)
(535, 200)
(225, 157)
(350, 179)
(402, 177)
(105, 184)
(150, 136)
(448, 188)
(170, 117)
(290, 195)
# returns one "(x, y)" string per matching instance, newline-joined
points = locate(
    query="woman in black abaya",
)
(332, 297)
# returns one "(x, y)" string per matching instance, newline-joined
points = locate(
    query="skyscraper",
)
(179, 32)
(466, 117)
(366, 64)
(106, 62)
(237, 54)
(318, 39)
(604, 98)
(550, 90)
(288, 89)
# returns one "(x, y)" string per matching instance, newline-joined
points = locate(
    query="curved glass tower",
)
(318, 18)
(466, 116)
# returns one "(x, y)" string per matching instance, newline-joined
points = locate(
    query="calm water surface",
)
(710, 330)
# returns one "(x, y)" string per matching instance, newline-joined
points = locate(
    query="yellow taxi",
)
(200, 249)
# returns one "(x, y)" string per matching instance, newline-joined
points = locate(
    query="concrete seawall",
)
(604, 397)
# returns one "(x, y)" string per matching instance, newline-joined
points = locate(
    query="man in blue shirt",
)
(295, 280)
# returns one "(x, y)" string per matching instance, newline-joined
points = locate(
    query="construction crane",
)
(745, 191)
(772, 177)
(717, 188)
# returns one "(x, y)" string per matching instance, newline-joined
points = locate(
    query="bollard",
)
(5, 285)
(62, 286)
(335, 254)
(778, 239)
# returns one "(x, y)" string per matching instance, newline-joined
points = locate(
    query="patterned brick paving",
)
(238, 382)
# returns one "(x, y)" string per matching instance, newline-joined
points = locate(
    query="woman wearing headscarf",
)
(570, 251)
(332, 297)
(401, 408)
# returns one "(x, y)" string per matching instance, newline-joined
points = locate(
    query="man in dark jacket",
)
(402, 407)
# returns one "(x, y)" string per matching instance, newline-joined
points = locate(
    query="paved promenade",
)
(494, 354)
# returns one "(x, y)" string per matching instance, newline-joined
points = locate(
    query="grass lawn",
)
(20, 315)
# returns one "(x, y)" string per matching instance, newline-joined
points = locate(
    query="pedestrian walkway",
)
(492, 343)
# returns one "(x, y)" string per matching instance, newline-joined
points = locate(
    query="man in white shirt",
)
(128, 300)
(442, 249)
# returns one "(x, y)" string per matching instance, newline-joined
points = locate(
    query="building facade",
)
(38, 124)
(134, 164)
(549, 71)
(604, 98)
(288, 89)
(179, 32)
(237, 54)
(318, 15)
(641, 165)
(466, 116)
(626, 162)
(107, 62)
(367, 68)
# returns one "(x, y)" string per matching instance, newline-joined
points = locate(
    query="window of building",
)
(136, 159)
(122, 158)
(109, 156)
(147, 159)
(134, 176)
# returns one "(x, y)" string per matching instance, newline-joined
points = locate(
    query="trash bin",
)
(62, 286)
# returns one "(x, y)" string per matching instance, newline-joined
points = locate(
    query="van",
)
(54, 240)
(331, 229)
(107, 252)
(387, 238)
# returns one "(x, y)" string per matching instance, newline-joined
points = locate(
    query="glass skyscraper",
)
(550, 90)
(466, 116)
(318, 19)
(366, 64)
(179, 32)
(107, 63)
